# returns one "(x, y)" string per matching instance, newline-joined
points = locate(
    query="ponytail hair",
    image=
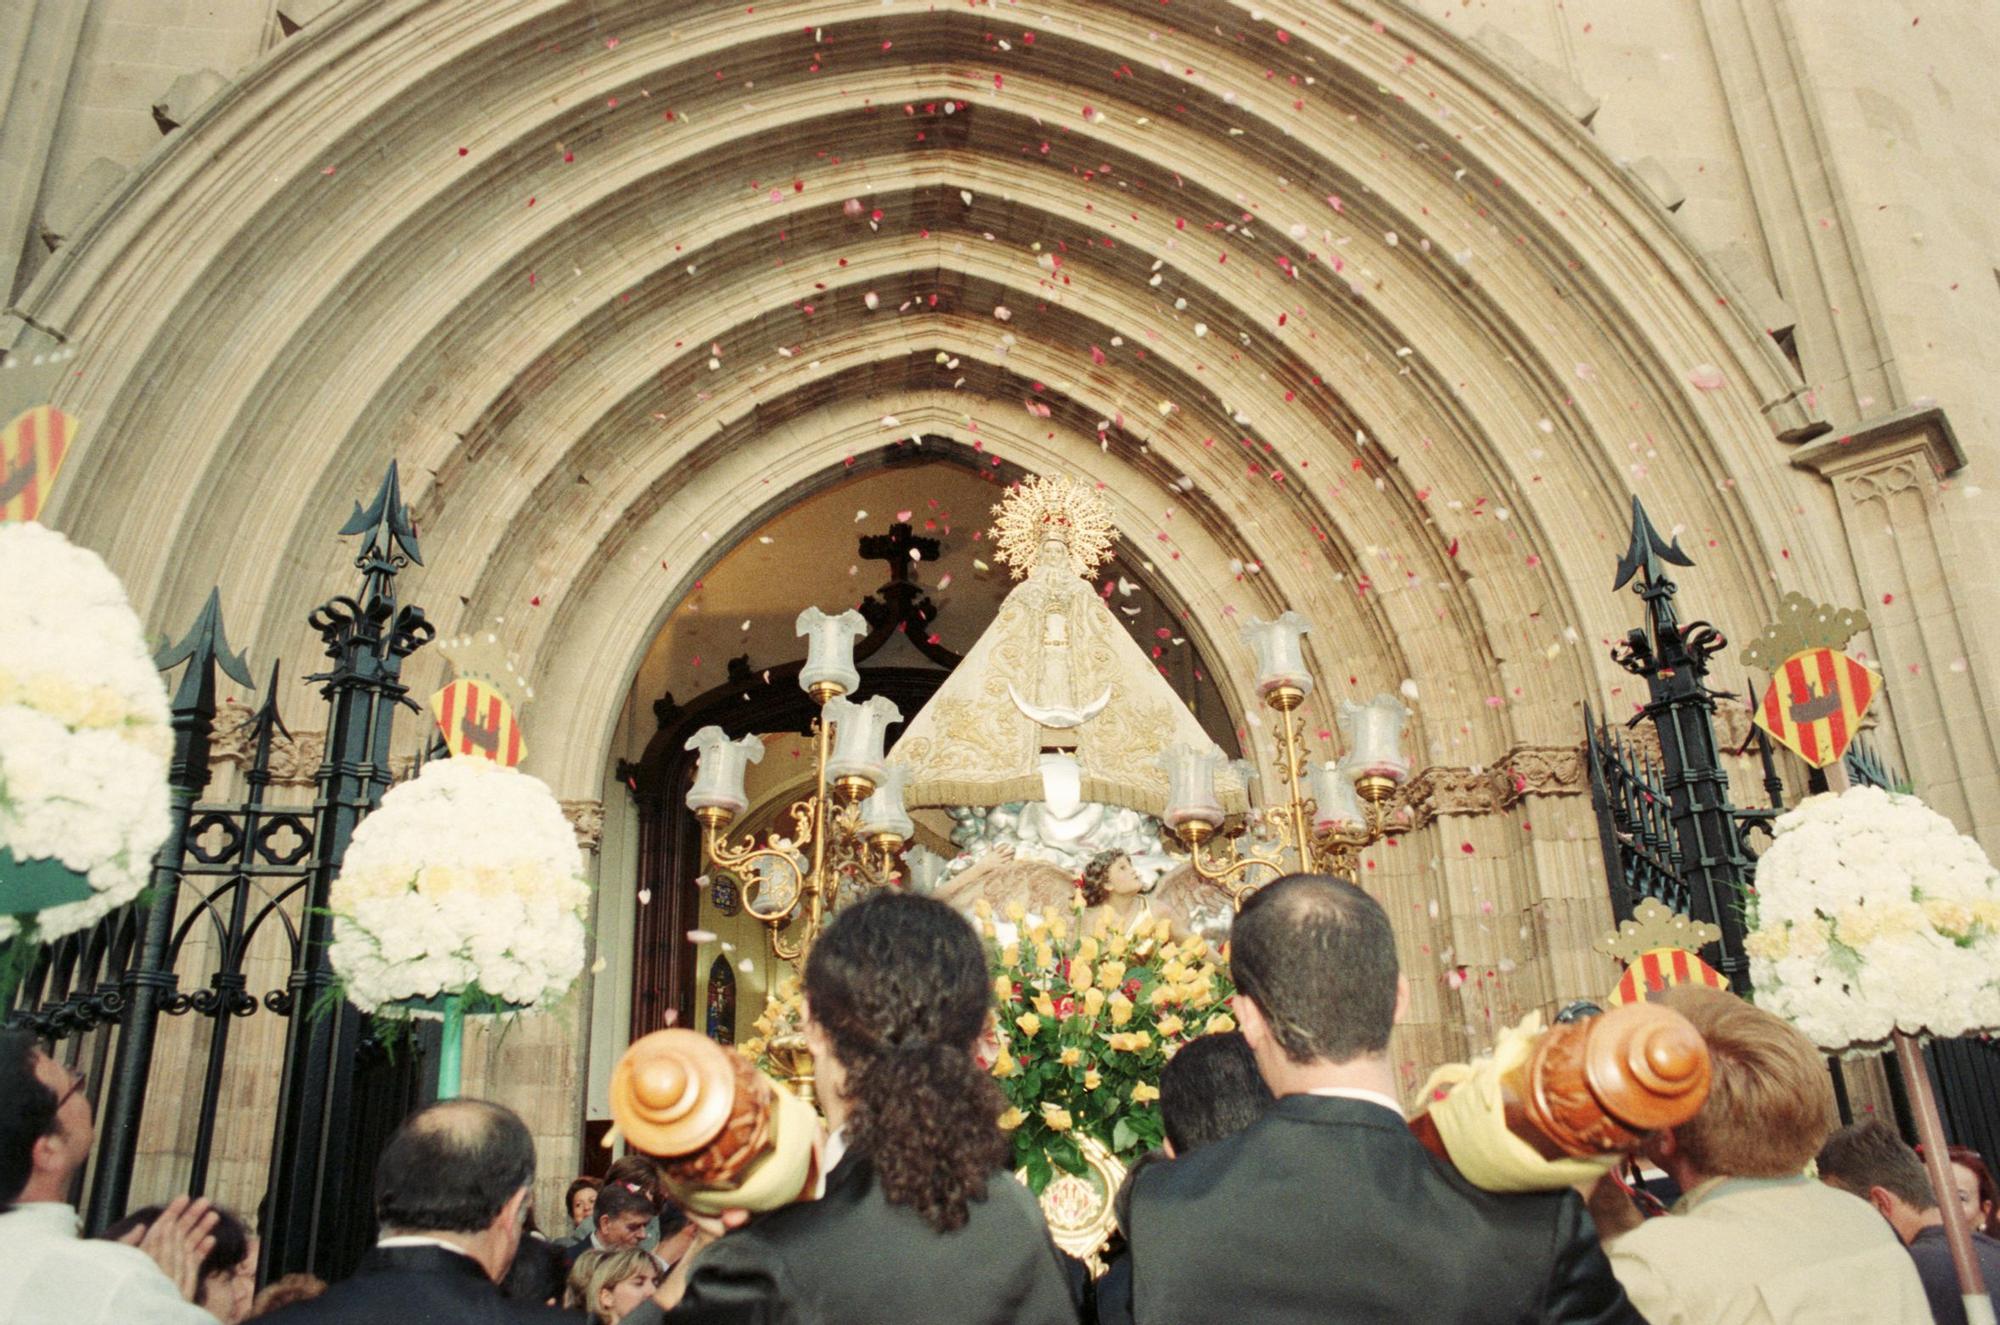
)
(898, 982)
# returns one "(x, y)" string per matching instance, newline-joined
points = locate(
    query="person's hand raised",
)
(178, 1241)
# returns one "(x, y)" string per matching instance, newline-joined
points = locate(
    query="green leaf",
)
(1039, 1171)
(1064, 1150)
(1123, 1138)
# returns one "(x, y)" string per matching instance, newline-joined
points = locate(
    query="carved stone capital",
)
(1526, 770)
(587, 818)
(295, 758)
(1895, 453)
(1544, 770)
(1439, 790)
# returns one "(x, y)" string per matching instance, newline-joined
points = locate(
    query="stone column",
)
(1939, 692)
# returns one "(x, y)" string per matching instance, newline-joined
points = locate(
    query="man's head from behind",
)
(621, 1216)
(1315, 960)
(1770, 1103)
(45, 1123)
(1209, 1090)
(460, 1171)
(1871, 1161)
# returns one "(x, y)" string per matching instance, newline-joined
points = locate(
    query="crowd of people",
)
(1290, 1188)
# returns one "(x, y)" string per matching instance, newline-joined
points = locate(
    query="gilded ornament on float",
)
(852, 823)
(1081, 1208)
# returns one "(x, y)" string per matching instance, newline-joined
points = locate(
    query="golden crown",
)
(1052, 506)
(482, 657)
(1655, 925)
(1802, 624)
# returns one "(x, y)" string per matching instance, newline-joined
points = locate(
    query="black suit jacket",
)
(1327, 1209)
(851, 1258)
(418, 1286)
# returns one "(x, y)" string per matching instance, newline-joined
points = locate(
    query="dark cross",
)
(895, 547)
(900, 604)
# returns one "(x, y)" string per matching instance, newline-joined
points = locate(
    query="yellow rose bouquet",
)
(1085, 1022)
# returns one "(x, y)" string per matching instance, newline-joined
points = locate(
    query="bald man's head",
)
(451, 1168)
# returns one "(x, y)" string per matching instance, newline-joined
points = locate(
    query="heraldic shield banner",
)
(1815, 702)
(477, 720)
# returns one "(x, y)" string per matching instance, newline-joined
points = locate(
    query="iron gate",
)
(245, 869)
(1669, 830)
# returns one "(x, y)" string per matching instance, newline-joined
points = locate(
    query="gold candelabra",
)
(1330, 813)
(852, 825)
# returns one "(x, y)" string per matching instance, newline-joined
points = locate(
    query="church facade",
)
(1381, 313)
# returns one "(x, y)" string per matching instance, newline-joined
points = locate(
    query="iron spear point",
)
(385, 524)
(1648, 550)
(266, 718)
(204, 647)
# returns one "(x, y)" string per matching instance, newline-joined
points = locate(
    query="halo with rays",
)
(1058, 504)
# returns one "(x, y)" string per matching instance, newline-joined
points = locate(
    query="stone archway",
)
(1322, 293)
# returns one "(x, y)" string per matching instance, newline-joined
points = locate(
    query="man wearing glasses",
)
(48, 1273)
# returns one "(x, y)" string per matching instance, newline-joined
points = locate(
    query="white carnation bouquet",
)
(467, 880)
(1873, 914)
(84, 738)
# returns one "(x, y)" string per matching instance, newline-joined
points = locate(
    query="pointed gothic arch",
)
(1413, 338)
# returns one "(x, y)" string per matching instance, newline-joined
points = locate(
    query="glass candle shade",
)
(774, 887)
(859, 732)
(1333, 792)
(1375, 738)
(1281, 661)
(1253, 790)
(830, 649)
(718, 778)
(1191, 794)
(882, 814)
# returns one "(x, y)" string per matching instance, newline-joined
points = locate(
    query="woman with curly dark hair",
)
(920, 1220)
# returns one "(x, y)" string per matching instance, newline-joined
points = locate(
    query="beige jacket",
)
(1770, 1251)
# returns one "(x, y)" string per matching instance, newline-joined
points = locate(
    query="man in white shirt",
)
(48, 1273)
(1753, 1240)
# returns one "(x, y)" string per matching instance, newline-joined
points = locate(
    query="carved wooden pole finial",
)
(1579, 1090)
(726, 1136)
(1597, 1086)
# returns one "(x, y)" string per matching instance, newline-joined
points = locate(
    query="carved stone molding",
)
(1545, 770)
(587, 818)
(1526, 770)
(1928, 604)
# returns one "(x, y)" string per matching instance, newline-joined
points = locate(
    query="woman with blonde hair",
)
(608, 1284)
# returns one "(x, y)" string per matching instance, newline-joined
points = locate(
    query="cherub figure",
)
(1115, 896)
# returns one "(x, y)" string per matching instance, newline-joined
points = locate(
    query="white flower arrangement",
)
(467, 880)
(84, 735)
(1872, 914)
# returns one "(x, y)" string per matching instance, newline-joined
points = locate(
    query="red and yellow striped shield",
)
(477, 720)
(1815, 702)
(31, 451)
(1658, 968)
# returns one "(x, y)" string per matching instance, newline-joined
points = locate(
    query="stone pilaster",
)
(1939, 696)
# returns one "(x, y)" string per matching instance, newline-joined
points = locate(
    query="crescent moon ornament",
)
(1057, 717)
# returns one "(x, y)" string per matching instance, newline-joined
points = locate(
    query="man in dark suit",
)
(451, 1194)
(1211, 1089)
(1327, 1208)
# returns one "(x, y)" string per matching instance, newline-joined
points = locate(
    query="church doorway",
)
(906, 542)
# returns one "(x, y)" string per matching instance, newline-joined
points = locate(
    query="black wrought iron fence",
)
(232, 873)
(1668, 829)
